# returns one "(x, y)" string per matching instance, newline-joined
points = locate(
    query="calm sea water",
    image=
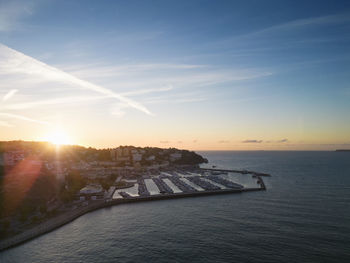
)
(304, 216)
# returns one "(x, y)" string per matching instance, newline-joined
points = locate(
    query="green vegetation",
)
(190, 158)
(74, 182)
(74, 153)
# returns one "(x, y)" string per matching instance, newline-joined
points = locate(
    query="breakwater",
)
(235, 171)
(69, 216)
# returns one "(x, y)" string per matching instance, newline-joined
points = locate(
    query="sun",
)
(58, 137)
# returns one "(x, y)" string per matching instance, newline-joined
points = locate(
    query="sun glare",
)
(58, 137)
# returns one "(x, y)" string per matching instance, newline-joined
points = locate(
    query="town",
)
(44, 185)
(39, 179)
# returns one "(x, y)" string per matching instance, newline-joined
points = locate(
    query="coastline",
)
(67, 217)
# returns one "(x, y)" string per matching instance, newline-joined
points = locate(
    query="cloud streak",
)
(300, 23)
(9, 94)
(146, 91)
(12, 11)
(13, 62)
(252, 141)
(23, 118)
(69, 100)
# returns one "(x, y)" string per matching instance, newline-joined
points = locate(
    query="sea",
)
(303, 216)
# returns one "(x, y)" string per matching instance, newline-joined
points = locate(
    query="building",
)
(120, 154)
(136, 157)
(151, 158)
(13, 157)
(91, 191)
(175, 156)
(80, 165)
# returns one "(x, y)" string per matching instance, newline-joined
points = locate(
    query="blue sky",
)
(189, 74)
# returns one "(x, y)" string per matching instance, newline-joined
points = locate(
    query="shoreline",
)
(67, 217)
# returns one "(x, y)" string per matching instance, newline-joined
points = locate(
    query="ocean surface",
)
(304, 216)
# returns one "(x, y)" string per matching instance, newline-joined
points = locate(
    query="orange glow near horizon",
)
(58, 137)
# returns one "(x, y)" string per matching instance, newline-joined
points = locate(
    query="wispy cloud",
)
(176, 81)
(21, 117)
(277, 141)
(252, 141)
(13, 63)
(143, 76)
(66, 100)
(9, 94)
(313, 21)
(99, 70)
(118, 110)
(12, 11)
(298, 24)
(170, 99)
(146, 91)
(285, 35)
(223, 141)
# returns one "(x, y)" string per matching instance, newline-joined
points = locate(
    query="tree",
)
(105, 184)
(113, 177)
(75, 181)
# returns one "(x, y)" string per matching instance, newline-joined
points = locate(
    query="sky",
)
(198, 75)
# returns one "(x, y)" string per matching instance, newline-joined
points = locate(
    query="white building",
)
(94, 191)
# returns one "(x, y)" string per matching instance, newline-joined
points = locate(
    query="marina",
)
(132, 191)
(152, 187)
(175, 182)
(214, 183)
(186, 181)
(166, 185)
(173, 187)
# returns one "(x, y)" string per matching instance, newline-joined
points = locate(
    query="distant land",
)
(342, 150)
(39, 180)
(43, 185)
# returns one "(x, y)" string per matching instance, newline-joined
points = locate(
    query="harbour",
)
(166, 185)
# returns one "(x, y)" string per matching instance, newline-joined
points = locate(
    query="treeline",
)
(26, 196)
(49, 152)
(190, 158)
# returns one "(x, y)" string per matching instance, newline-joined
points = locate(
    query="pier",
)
(234, 171)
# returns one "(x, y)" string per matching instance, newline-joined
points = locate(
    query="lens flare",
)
(58, 137)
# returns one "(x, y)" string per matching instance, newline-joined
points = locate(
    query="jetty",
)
(234, 171)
